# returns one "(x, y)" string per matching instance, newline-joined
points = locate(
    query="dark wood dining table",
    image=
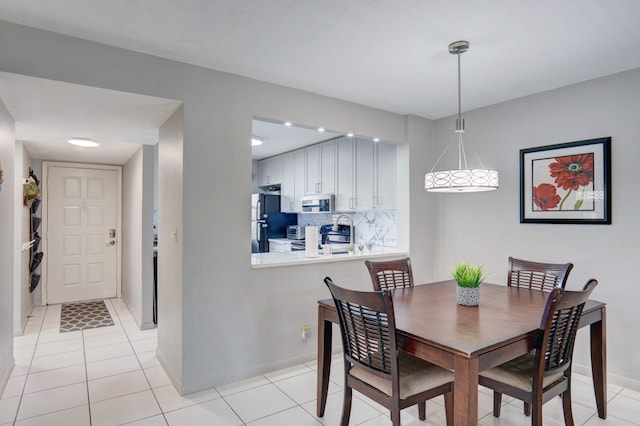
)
(468, 340)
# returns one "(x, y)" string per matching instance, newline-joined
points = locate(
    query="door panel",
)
(82, 209)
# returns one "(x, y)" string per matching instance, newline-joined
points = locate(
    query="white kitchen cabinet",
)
(279, 246)
(293, 181)
(354, 171)
(385, 179)
(270, 171)
(320, 168)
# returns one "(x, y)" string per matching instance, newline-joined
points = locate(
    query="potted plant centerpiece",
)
(468, 278)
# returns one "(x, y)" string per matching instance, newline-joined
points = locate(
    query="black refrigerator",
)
(267, 221)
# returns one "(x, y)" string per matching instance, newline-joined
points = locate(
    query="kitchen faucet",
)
(335, 227)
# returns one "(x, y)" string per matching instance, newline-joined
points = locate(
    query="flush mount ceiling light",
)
(83, 142)
(256, 141)
(462, 179)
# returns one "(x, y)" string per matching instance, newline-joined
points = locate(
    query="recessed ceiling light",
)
(350, 135)
(83, 142)
(256, 140)
(376, 139)
(321, 129)
(287, 123)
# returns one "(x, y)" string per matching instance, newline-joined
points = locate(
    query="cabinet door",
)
(288, 186)
(364, 174)
(385, 176)
(328, 167)
(298, 164)
(313, 175)
(321, 168)
(292, 187)
(344, 174)
(270, 171)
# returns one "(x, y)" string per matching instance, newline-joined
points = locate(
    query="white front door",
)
(81, 232)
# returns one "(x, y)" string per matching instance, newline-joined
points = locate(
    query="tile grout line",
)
(86, 373)
(140, 364)
(35, 346)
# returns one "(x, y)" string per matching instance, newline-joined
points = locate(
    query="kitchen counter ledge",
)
(269, 260)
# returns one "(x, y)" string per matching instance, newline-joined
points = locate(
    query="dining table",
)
(468, 339)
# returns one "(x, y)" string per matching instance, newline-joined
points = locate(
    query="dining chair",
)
(390, 274)
(374, 366)
(537, 377)
(536, 275)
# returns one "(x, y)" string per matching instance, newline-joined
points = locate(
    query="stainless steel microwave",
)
(318, 203)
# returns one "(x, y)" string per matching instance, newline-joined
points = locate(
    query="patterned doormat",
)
(79, 316)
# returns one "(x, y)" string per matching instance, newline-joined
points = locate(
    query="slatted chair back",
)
(368, 328)
(558, 328)
(391, 274)
(536, 275)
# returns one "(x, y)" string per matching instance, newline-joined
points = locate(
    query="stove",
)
(327, 236)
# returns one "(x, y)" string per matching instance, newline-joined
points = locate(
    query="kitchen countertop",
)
(268, 260)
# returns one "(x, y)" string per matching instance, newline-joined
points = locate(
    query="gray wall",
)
(485, 227)
(171, 309)
(221, 320)
(137, 235)
(8, 194)
(21, 294)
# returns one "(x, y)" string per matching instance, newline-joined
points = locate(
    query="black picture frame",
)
(566, 183)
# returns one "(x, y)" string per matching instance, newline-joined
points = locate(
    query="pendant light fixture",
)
(462, 179)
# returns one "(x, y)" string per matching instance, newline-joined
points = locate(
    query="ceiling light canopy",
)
(83, 142)
(256, 141)
(462, 179)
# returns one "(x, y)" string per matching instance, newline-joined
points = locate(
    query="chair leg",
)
(527, 409)
(422, 410)
(497, 403)
(536, 413)
(448, 407)
(346, 406)
(566, 407)
(395, 416)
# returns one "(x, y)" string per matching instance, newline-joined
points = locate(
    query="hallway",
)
(111, 376)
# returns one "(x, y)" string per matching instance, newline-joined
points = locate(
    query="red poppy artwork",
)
(545, 196)
(566, 183)
(566, 175)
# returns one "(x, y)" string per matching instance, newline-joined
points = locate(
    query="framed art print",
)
(566, 183)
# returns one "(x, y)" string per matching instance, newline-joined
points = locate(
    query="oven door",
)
(297, 245)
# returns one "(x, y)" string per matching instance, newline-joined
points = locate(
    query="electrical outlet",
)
(305, 329)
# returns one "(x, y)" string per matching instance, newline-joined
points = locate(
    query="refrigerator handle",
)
(259, 210)
(258, 230)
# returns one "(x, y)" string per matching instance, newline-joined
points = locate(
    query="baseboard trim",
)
(7, 374)
(614, 379)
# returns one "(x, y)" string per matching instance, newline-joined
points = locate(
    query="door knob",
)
(112, 243)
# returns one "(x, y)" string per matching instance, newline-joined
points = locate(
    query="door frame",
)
(45, 220)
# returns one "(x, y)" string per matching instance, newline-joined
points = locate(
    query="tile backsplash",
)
(376, 227)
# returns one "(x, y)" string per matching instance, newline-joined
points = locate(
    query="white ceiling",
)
(388, 54)
(278, 138)
(47, 113)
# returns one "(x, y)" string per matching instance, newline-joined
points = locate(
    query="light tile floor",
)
(111, 376)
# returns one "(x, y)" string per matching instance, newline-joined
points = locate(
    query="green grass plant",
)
(467, 275)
